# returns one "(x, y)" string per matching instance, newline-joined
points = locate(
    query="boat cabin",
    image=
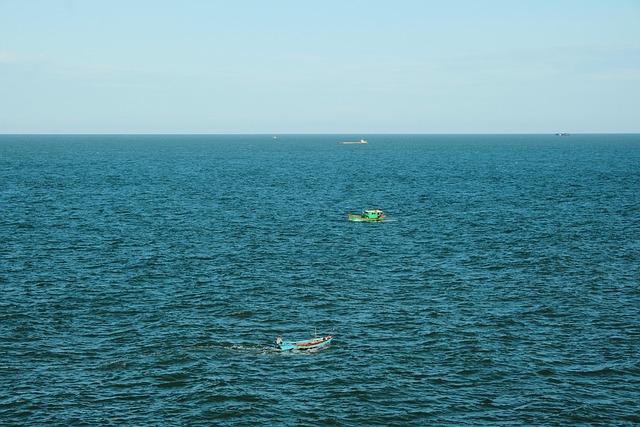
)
(373, 214)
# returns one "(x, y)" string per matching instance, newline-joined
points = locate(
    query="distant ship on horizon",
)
(362, 141)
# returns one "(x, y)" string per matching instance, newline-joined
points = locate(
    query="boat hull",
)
(359, 218)
(362, 141)
(305, 345)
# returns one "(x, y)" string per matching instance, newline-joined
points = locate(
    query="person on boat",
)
(279, 340)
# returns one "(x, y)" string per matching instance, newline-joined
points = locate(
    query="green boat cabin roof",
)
(372, 212)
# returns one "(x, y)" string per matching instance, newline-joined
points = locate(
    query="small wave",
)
(597, 372)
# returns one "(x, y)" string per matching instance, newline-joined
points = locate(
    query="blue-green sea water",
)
(143, 280)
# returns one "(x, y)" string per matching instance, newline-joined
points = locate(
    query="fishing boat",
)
(362, 141)
(370, 215)
(315, 342)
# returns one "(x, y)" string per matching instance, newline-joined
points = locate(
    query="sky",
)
(331, 66)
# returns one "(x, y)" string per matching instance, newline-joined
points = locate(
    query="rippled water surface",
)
(144, 278)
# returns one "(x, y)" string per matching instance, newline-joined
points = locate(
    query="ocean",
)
(144, 279)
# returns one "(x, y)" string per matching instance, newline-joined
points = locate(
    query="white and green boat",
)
(370, 215)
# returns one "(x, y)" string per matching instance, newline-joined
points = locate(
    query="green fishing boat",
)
(370, 215)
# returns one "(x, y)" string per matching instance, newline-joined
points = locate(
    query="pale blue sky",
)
(330, 66)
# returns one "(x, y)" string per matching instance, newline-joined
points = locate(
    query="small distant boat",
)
(370, 215)
(362, 141)
(303, 345)
(562, 134)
